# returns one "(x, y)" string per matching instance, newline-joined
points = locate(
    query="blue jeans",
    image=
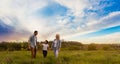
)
(55, 52)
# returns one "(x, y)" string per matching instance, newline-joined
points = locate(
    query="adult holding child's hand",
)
(56, 45)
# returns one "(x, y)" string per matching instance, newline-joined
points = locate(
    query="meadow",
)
(65, 57)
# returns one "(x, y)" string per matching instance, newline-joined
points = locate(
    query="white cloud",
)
(21, 15)
(77, 6)
(108, 21)
(110, 38)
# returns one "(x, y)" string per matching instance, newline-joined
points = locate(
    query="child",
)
(45, 48)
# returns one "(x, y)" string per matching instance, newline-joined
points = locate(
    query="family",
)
(56, 45)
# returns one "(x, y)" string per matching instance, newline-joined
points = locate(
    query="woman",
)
(56, 45)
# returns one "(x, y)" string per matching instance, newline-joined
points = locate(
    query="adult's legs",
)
(33, 52)
(56, 52)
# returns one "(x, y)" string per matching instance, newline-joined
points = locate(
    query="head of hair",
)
(46, 41)
(57, 36)
(35, 32)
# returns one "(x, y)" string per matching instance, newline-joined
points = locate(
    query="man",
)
(33, 44)
(56, 45)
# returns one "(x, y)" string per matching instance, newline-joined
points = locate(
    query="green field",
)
(65, 57)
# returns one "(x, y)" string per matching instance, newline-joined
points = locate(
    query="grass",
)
(65, 57)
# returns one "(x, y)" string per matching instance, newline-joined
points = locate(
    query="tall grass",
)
(65, 57)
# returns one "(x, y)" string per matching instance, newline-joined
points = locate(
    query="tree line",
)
(66, 45)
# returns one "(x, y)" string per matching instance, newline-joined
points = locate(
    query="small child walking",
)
(45, 48)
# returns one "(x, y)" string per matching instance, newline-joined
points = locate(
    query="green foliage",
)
(66, 45)
(24, 46)
(106, 47)
(72, 45)
(92, 46)
(10, 46)
(65, 57)
(3, 46)
(13, 46)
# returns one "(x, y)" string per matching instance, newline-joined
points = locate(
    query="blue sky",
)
(103, 32)
(52, 9)
(86, 21)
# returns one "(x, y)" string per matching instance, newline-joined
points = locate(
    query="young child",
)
(45, 48)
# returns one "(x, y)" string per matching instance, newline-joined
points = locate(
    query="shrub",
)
(107, 47)
(3, 46)
(92, 46)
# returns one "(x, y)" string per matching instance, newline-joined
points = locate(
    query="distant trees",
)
(3, 46)
(12, 46)
(92, 46)
(66, 45)
(72, 45)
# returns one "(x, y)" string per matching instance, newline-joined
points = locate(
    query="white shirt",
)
(55, 43)
(45, 46)
(33, 41)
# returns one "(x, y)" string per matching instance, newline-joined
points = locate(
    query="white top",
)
(55, 43)
(45, 46)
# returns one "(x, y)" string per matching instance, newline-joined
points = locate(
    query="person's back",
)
(45, 48)
(56, 45)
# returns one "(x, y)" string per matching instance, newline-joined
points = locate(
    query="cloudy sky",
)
(87, 21)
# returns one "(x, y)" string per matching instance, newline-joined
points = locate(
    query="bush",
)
(13, 46)
(3, 46)
(92, 46)
(106, 47)
(24, 46)
(72, 45)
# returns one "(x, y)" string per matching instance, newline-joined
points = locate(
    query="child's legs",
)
(44, 53)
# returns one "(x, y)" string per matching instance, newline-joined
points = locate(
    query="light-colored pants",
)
(55, 52)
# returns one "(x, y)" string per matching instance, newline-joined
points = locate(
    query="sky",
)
(86, 21)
